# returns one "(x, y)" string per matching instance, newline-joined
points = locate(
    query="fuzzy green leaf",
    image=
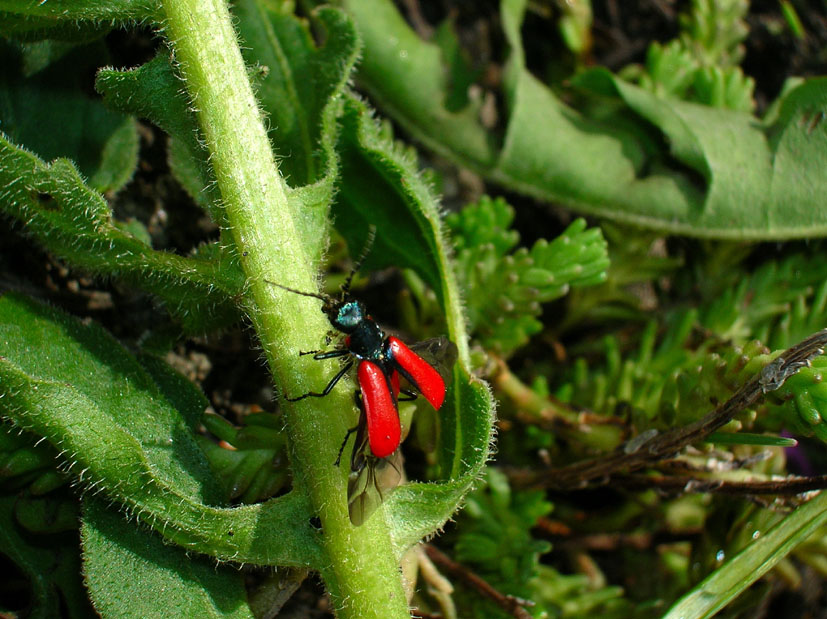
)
(74, 222)
(301, 82)
(74, 11)
(182, 394)
(191, 586)
(153, 91)
(381, 185)
(417, 510)
(48, 113)
(96, 367)
(301, 91)
(40, 29)
(119, 434)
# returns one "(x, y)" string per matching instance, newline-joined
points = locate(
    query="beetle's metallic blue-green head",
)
(347, 316)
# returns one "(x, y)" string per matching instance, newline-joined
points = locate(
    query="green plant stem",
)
(594, 431)
(359, 569)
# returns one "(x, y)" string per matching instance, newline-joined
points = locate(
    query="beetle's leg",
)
(320, 355)
(344, 442)
(330, 385)
(409, 395)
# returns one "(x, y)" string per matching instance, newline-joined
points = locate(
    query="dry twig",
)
(646, 449)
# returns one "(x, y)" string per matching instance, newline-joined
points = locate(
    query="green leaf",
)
(39, 28)
(798, 139)
(50, 563)
(119, 434)
(74, 222)
(191, 586)
(381, 186)
(182, 394)
(55, 513)
(731, 152)
(461, 75)
(253, 470)
(73, 11)
(153, 91)
(94, 365)
(729, 181)
(22, 459)
(734, 577)
(48, 113)
(417, 510)
(301, 82)
(745, 438)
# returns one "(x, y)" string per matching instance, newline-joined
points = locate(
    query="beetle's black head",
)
(346, 315)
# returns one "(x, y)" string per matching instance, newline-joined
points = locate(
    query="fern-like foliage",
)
(504, 290)
(701, 65)
(696, 358)
(496, 535)
(780, 303)
(638, 260)
(801, 403)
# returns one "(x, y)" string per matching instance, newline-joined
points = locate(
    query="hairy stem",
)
(359, 569)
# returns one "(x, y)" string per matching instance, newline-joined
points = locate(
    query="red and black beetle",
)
(381, 359)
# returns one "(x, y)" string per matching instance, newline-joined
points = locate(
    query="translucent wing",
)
(369, 484)
(371, 479)
(440, 353)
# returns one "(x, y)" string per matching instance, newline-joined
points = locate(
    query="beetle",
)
(381, 360)
(371, 478)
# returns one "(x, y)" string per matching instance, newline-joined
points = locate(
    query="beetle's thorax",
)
(367, 341)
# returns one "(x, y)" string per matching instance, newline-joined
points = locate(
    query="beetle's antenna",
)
(358, 264)
(315, 295)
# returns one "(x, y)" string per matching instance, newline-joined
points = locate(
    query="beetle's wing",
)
(418, 371)
(440, 353)
(371, 480)
(384, 430)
